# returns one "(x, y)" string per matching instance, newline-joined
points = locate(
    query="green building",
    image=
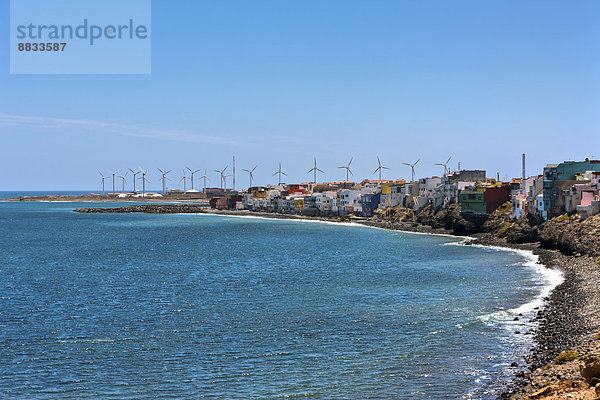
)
(472, 201)
(560, 178)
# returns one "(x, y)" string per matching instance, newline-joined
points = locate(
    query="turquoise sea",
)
(136, 306)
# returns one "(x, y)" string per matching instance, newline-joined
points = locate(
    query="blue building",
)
(369, 203)
(558, 180)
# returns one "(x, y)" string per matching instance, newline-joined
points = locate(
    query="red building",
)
(495, 196)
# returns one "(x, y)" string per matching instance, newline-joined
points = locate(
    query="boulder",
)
(590, 370)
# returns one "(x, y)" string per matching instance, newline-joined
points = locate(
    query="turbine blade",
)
(417, 161)
(351, 158)
(407, 164)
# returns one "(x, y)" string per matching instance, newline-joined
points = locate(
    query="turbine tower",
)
(103, 179)
(192, 172)
(379, 167)
(114, 173)
(134, 175)
(445, 165)
(205, 177)
(314, 170)
(184, 179)
(251, 173)
(222, 173)
(164, 178)
(225, 180)
(347, 168)
(279, 172)
(124, 177)
(144, 180)
(412, 167)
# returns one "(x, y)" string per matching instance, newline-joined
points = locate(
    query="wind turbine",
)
(279, 172)
(412, 167)
(124, 177)
(144, 180)
(103, 179)
(222, 172)
(164, 179)
(379, 167)
(347, 168)
(225, 181)
(134, 175)
(445, 165)
(114, 173)
(192, 172)
(184, 179)
(205, 178)
(251, 173)
(315, 170)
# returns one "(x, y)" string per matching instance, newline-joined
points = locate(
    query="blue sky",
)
(285, 81)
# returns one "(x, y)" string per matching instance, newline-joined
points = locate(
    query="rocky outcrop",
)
(590, 370)
(524, 230)
(396, 215)
(146, 208)
(572, 235)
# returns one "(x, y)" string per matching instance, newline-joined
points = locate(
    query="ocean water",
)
(138, 306)
(12, 194)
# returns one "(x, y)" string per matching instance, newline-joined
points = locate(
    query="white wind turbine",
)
(314, 170)
(205, 177)
(184, 179)
(379, 168)
(192, 173)
(445, 165)
(103, 179)
(348, 170)
(222, 173)
(134, 177)
(144, 180)
(412, 167)
(164, 179)
(124, 178)
(279, 172)
(251, 173)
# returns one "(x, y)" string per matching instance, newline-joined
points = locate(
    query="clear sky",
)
(285, 81)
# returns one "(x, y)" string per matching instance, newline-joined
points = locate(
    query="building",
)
(369, 203)
(466, 175)
(558, 181)
(484, 199)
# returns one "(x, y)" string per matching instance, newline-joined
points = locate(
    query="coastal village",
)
(563, 188)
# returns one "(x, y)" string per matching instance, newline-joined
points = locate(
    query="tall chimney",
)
(523, 181)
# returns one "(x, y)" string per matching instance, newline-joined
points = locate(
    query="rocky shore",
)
(146, 208)
(564, 362)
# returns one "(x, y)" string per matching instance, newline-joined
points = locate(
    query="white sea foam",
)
(551, 278)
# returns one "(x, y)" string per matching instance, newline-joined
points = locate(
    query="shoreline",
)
(568, 319)
(560, 322)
